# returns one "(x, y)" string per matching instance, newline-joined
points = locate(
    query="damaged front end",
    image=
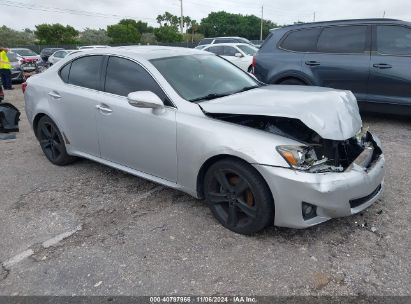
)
(315, 154)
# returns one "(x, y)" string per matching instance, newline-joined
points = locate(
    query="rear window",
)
(205, 41)
(301, 40)
(343, 39)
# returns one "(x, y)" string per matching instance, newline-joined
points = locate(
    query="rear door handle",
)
(382, 66)
(104, 109)
(54, 95)
(312, 63)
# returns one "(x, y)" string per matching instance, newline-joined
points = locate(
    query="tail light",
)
(23, 87)
(254, 61)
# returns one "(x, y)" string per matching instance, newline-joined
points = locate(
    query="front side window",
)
(218, 50)
(204, 77)
(393, 40)
(343, 39)
(59, 54)
(85, 72)
(125, 76)
(230, 51)
(301, 40)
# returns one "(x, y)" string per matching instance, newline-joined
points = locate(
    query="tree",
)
(168, 19)
(227, 24)
(10, 37)
(167, 33)
(148, 38)
(123, 33)
(56, 34)
(91, 36)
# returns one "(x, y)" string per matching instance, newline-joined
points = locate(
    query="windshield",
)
(203, 77)
(25, 52)
(248, 50)
(12, 57)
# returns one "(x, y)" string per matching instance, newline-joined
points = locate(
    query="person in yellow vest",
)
(5, 69)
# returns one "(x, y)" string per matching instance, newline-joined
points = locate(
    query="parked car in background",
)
(86, 47)
(218, 40)
(24, 53)
(1, 93)
(47, 52)
(57, 56)
(240, 54)
(370, 57)
(16, 71)
(259, 154)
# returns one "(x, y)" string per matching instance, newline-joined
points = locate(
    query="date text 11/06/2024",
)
(203, 299)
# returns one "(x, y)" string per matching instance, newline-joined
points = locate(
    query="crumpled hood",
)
(333, 114)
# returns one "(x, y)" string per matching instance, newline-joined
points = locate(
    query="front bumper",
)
(17, 75)
(334, 194)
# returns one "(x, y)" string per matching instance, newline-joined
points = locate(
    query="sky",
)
(19, 14)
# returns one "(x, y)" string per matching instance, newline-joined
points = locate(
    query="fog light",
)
(309, 211)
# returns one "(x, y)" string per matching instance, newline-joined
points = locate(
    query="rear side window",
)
(85, 72)
(225, 40)
(393, 40)
(302, 40)
(64, 72)
(343, 39)
(125, 76)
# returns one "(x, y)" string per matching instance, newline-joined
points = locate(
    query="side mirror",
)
(145, 99)
(238, 55)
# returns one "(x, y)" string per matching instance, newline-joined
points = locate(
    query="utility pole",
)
(181, 17)
(262, 20)
(383, 15)
(314, 17)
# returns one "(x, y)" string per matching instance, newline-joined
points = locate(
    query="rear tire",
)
(238, 196)
(293, 81)
(52, 142)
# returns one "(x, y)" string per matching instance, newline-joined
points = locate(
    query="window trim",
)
(104, 74)
(367, 50)
(374, 47)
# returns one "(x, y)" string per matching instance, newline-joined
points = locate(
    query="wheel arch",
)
(291, 75)
(36, 121)
(212, 160)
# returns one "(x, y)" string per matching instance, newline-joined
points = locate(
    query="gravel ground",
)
(87, 229)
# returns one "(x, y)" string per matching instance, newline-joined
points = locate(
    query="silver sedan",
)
(258, 154)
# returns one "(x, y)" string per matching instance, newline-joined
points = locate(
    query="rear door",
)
(390, 79)
(341, 59)
(73, 103)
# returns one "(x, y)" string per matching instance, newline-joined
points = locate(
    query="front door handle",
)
(104, 109)
(382, 66)
(312, 63)
(54, 95)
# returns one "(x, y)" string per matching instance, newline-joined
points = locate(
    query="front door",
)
(134, 137)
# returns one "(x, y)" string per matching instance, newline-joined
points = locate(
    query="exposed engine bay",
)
(316, 154)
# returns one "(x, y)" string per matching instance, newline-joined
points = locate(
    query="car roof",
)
(228, 44)
(147, 52)
(343, 22)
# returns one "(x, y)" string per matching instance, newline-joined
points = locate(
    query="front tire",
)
(52, 143)
(238, 196)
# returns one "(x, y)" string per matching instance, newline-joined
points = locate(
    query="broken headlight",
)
(300, 157)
